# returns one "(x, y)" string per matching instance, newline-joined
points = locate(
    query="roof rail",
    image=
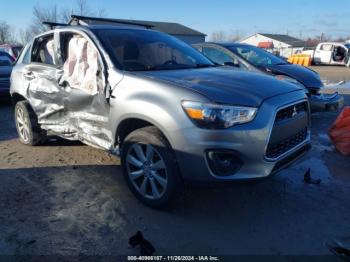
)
(77, 19)
(52, 25)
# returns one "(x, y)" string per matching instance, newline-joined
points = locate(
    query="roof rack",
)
(77, 20)
(52, 25)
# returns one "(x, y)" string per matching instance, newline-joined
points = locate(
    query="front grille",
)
(290, 158)
(275, 150)
(290, 129)
(288, 112)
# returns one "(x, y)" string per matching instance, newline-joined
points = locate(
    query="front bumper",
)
(248, 142)
(326, 102)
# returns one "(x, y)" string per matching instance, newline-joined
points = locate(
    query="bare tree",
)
(82, 7)
(6, 35)
(65, 14)
(24, 36)
(41, 14)
(234, 36)
(101, 12)
(55, 14)
(218, 36)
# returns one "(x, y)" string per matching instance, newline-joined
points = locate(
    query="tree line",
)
(9, 34)
(234, 36)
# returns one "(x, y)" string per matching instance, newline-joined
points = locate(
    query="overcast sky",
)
(300, 18)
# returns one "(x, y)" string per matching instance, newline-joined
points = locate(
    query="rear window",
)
(43, 50)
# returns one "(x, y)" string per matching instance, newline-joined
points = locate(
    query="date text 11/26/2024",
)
(173, 258)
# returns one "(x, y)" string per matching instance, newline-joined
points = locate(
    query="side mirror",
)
(232, 64)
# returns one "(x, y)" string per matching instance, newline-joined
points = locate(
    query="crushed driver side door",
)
(83, 80)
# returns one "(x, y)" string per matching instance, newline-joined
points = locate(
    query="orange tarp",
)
(339, 133)
(265, 45)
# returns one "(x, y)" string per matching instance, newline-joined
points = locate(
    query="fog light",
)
(223, 162)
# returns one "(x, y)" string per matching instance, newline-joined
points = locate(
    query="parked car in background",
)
(330, 53)
(12, 50)
(5, 72)
(252, 58)
(166, 109)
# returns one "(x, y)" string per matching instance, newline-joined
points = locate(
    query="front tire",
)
(150, 168)
(28, 129)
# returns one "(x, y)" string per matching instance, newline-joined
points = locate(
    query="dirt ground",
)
(64, 198)
(333, 74)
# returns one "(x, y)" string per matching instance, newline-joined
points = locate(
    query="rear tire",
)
(150, 168)
(28, 129)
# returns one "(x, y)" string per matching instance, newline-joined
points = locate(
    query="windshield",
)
(140, 50)
(257, 56)
(347, 45)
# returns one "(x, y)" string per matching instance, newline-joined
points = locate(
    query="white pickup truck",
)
(330, 53)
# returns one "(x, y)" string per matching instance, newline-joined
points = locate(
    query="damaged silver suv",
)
(169, 112)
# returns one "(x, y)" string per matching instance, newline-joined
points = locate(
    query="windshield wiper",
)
(204, 65)
(174, 67)
(162, 67)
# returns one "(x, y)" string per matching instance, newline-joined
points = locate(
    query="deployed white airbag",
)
(81, 67)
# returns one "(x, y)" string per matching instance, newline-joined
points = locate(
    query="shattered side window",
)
(26, 57)
(43, 51)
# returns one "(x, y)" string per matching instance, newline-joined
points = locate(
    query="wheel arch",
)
(16, 97)
(132, 123)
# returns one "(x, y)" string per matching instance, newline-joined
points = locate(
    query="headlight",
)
(291, 80)
(211, 116)
(288, 79)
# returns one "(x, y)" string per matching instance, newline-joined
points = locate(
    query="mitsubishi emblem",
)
(295, 112)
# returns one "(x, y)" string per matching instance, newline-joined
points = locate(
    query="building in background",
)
(180, 31)
(282, 45)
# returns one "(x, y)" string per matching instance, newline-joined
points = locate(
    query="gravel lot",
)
(65, 198)
(333, 74)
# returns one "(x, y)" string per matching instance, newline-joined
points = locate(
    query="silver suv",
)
(169, 112)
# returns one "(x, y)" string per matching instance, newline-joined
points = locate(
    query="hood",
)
(5, 71)
(307, 77)
(225, 85)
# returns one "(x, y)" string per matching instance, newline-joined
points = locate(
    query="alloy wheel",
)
(22, 124)
(147, 170)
